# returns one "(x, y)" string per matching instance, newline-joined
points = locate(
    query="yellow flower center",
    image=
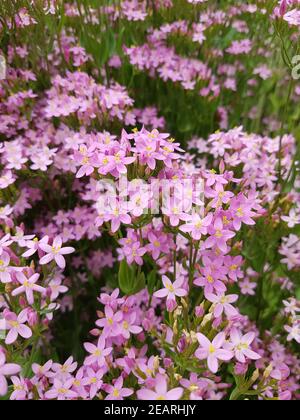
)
(225, 220)
(56, 249)
(240, 212)
(170, 287)
(116, 393)
(242, 346)
(210, 279)
(211, 349)
(117, 158)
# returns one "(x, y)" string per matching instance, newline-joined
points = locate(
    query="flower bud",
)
(32, 317)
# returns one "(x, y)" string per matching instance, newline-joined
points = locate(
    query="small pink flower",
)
(41, 371)
(223, 304)
(171, 290)
(294, 332)
(127, 327)
(63, 372)
(161, 391)
(55, 252)
(213, 351)
(197, 227)
(20, 389)
(97, 353)
(5, 269)
(241, 346)
(134, 253)
(93, 380)
(16, 326)
(116, 391)
(111, 322)
(6, 369)
(61, 390)
(247, 287)
(34, 246)
(28, 286)
(219, 236)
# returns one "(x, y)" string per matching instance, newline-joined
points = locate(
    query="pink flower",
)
(5, 241)
(20, 389)
(111, 322)
(55, 252)
(241, 346)
(6, 179)
(56, 288)
(120, 161)
(241, 211)
(41, 371)
(63, 372)
(6, 369)
(233, 265)
(210, 279)
(98, 353)
(294, 332)
(61, 390)
(28, 286)
(34, 246)
(171, 290)
(213, 351)
(218, 195)
(93, 380)
(84, 157)
(247, 287)
(219, 236)
(116, 391)
(134, 253)
(157, 245)
(16, 326)
(292, 17)
(117, 216)
(292, 219)
(161, 391)
(5, 269)
(223, 304)
(128, 327)
(197, 226)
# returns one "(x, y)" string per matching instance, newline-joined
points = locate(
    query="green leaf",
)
(130, 282)
(151, 281)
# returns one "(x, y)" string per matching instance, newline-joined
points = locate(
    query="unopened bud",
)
(156, 363)
(255, 376)
(193, 336)
(268, 371)
(206, 319)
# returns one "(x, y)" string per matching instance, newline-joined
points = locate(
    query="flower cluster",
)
(144, 253)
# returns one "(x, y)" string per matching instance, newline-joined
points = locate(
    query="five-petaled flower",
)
(55, 252)
(213, 351)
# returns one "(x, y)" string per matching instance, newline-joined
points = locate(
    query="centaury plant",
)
(149, 200)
